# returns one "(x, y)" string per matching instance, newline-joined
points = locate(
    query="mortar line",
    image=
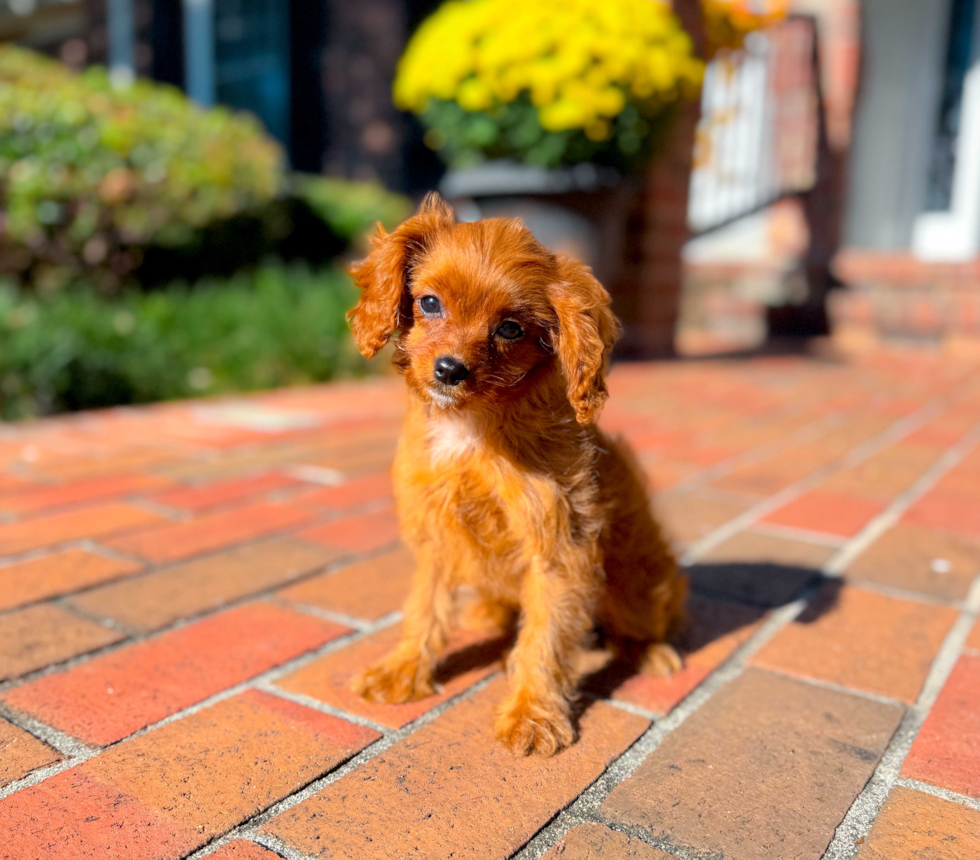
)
(804, 535)
(274, 844)
(937, 791)
(102, 620)
(903, 593)
(316, 705)
(326, 614)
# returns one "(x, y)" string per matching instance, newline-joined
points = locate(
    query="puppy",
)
(503, 482)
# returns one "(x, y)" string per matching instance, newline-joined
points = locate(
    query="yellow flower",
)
(562, 115)
(474, 94)
(578, 61)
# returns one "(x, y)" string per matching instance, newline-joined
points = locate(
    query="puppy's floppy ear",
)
(586, 332)
(383, 275)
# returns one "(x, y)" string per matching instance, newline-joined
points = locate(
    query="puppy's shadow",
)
(477, 655)
(725, 599)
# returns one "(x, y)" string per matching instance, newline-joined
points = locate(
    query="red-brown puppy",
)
(503, 481)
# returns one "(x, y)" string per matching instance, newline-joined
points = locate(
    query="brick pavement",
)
(185, 590)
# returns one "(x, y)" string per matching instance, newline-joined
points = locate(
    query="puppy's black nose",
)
(449, 370)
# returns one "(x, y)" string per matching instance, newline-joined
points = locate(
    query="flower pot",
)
(581, 210)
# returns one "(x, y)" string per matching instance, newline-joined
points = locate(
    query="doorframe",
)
(954, 235)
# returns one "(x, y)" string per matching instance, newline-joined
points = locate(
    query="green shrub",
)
(349, 208)
(114, 185)
(79, 349)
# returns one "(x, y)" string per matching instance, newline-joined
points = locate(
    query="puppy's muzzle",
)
(449, 370)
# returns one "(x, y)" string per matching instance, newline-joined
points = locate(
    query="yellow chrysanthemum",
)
(578, 61)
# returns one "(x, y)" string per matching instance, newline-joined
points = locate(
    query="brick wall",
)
(892, 296)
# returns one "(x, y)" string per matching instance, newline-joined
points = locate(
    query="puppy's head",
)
(484, 311)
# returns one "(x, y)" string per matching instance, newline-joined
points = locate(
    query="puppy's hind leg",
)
(406, 673)
(638, 629)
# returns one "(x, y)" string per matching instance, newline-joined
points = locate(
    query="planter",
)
(582, 211)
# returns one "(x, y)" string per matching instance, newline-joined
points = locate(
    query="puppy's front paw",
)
(662, 660)
(535, 728)
(392, 682)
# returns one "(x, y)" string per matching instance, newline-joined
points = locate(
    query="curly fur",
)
(504, 484)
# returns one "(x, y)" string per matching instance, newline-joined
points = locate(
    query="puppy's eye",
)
(510, 330)
(430, 305)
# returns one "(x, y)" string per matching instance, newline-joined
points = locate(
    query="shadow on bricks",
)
(475, 656)
(727, 602)
(759, 583)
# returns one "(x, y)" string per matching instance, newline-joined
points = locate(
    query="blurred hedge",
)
(137, 183)
(80, 349)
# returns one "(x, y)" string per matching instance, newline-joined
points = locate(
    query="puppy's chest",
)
(453, 441)
(461, 481)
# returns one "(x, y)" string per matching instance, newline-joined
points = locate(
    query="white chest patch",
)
(451, 437)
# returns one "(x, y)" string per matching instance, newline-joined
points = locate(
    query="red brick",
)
(863, 640)
(688, 517)
(217, 493)
(947, 750)
(885, 475)
(470, 657)
(73, 816)
(775, 473)
(240, 849)
(597, 842)
(76, 492)
(350, 495)
(159, 598)
(934, 437)
(973, 641)
(170, 791)
(60, 573)
(827, 512)
(452, 789)
(768, 767)
(667, 473)
(78, 468)
(916, 826)
(110, 697)
(920, 559)
(214, 769)
(947, 511)
(181, 540)
(38, 636)
(962, 481)
(715, 629)
(368, 589)
(20, 753)
(94, 522)
(358, 534)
